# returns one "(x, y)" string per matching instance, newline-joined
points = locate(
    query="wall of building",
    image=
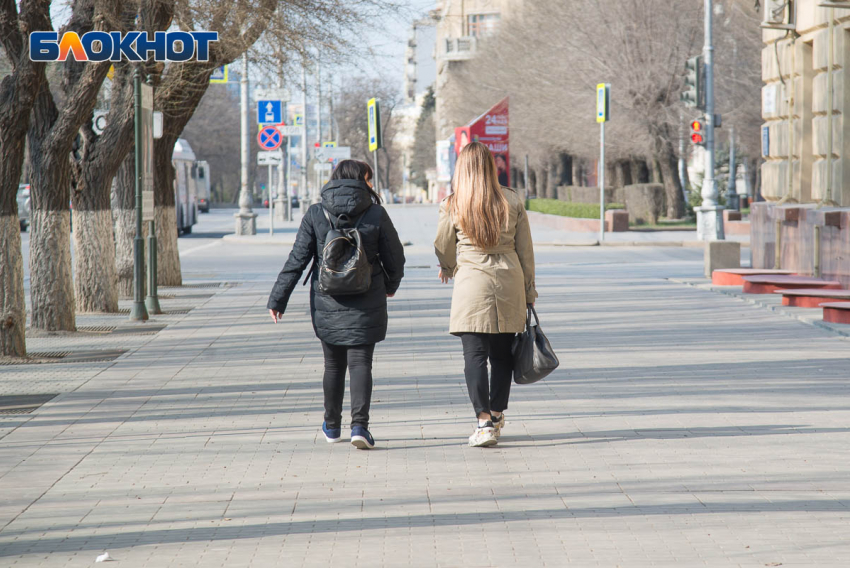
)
(794, 70)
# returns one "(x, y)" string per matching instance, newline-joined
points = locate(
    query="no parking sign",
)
(269, 138)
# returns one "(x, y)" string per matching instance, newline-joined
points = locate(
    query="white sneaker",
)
(484, 436)
(499, 424)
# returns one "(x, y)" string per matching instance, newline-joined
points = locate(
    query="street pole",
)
(709, 215)
(271, 204)
(526, 177)
(304, 191)
(288, 192)
(377, 180)
(830, 78)
(319, 101)
(138, 312)
(246, 219)
(152, 301)
(601, 182)
(682, 164)
(732, 191)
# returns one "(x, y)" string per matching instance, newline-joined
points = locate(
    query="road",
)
(684, 428)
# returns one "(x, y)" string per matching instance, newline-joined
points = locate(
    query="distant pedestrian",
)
(348, 325)
(484, 243)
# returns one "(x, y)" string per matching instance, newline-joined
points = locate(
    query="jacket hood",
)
(346, 197)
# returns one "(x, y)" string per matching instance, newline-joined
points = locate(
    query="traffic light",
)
(692, 95)
(696, 132)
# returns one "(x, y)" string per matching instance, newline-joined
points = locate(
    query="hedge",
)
(566, 209)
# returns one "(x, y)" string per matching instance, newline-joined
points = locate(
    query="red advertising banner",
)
(492, 130)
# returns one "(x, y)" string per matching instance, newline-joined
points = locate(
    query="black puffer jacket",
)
(345, 320)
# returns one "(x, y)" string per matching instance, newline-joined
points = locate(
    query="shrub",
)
(566, 209)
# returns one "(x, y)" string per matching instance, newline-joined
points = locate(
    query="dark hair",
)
(356, 170)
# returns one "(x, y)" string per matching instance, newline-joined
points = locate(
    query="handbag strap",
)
(531, 310)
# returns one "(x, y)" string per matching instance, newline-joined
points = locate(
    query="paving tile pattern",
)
(683, 429)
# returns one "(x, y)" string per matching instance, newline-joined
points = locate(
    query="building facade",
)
(804, 224)
(461, 24)
(795, 135)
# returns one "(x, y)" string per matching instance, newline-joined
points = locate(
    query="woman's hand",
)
(276, 315)
(390, 295)
(444, 276)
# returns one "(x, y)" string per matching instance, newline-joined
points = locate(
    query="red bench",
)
(836, 312)
(770, 284)
(735, 276)
(812, 297)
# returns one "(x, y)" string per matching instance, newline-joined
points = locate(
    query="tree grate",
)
(96, 328)
(93, 356)
(23, 403)
(176, 312)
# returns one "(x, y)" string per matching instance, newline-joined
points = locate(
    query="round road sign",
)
(269, 138)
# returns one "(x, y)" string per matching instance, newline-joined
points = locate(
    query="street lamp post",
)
(246, 219)
(710, 214)
(138, 312)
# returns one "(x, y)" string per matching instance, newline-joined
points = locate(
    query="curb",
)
(733, 292)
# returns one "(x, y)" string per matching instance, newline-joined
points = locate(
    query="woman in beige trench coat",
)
(484, 243)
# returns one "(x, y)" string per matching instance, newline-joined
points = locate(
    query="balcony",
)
(459, 49)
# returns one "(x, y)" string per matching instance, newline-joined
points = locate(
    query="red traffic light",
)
(696, 138)
(696, 126)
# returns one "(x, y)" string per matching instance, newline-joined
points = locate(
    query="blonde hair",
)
(478, 205)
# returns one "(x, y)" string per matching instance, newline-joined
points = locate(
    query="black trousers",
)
(358, 360)
(488, 394)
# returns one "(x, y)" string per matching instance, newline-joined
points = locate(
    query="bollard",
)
(816, 260)
(152, 301)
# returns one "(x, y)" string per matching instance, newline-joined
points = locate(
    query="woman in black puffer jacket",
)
(348, 326)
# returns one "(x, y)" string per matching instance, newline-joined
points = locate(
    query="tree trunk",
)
(578, 173)
(623, 174)
(657, 176)
(560, 173)
(640, 171)
(124, 217)
(13, 317)
(168, 256)
(51, 278)
(532, 182)
(668, 163)
(542, 182)
(94, 245)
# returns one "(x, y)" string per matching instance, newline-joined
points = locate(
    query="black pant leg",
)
(476, 348)
(360, 369)
(333, 382)
(501, 370)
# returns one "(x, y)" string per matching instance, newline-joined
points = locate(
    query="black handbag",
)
(533, 355)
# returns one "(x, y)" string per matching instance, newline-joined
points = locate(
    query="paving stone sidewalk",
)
(683, 429)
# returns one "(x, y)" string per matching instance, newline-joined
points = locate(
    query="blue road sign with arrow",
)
(269, 112)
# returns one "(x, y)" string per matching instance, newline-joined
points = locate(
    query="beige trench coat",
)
(491, 287)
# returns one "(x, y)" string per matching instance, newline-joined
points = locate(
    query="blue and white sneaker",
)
(361, 438)
(332, 435)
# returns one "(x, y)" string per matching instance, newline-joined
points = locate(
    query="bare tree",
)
(350, 114)
(424, 154)
(17, 97)
(54, 127)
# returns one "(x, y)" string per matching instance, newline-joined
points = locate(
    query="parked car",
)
(24, 205)
(294, 202)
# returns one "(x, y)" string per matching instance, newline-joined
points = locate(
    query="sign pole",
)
(271, 204)
(138, 311)
(603, 103)
(601, 182)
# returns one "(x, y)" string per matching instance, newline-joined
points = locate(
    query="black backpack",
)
(344, 269)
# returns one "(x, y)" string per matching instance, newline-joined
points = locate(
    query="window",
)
(482, 25)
